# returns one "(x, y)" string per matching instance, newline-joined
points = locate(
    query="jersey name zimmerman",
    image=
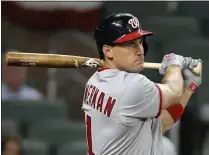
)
(96, 99)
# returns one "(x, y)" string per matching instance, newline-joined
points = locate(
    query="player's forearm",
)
(186, 96)
(167, 119)
(175, 83)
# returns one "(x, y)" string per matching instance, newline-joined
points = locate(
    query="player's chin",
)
(138, 68)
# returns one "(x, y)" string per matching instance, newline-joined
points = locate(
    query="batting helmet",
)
(119, 28)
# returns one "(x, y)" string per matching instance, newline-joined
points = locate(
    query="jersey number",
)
(89, 137)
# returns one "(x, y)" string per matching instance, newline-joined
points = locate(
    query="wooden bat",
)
(65, 61)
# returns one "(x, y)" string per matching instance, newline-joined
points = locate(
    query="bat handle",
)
(197, 70)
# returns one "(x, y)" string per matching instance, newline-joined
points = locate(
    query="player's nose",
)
(140, 50)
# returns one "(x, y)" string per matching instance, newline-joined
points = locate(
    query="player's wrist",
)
(192, 81)
(191, 85)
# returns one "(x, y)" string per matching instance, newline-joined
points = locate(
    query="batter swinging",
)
(125, 112)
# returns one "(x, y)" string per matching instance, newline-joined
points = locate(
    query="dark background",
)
(180, 27)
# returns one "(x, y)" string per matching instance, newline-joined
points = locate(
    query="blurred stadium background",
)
(46, 111)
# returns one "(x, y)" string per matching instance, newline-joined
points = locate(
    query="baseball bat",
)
(65, 61)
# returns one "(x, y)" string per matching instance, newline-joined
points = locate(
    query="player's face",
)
(129, 56)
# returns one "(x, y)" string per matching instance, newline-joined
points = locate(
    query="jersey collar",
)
(102, 69)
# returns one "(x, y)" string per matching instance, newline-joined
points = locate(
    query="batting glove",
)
(192, 81)
(191, 63)
(172, 59)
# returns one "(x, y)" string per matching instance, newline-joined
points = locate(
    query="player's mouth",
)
(139, 60)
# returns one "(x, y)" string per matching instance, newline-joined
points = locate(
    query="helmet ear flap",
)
(145, 46)
(100, 52)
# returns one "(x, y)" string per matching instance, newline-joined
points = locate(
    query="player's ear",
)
(108, 52)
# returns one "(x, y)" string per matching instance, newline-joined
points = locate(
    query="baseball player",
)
(125, 112)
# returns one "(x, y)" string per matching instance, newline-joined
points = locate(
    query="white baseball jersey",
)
(121, 113)
(168, 147)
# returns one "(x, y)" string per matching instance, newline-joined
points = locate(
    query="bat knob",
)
(197, 70)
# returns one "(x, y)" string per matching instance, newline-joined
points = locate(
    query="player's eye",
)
(141, 41)
(131, 44)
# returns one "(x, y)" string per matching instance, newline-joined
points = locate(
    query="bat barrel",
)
(36, 60)
(50, 60)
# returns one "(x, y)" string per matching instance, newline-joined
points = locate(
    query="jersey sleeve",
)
(142, 98)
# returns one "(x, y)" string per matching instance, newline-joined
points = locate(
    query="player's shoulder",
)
(128, 77)
(139, 82)
(120, 77)
(112, 74)
(138, 79)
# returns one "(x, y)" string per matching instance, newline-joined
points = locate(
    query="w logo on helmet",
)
(134, 22)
